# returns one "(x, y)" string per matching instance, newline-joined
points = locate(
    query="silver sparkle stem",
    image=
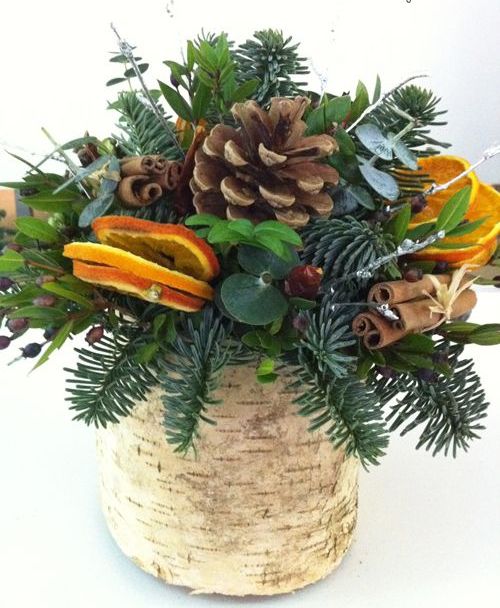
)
(487, 154)
(128, 51)
(380, 101)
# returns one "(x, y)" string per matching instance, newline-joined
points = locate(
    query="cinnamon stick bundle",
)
(169, 179)
(138, 191)
(143, 165)
(375, 330)
(393, 292)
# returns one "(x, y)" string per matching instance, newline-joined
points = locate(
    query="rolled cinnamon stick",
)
(378, 332)
(393, 292)
(138, 191)
(143, 165)
(416, 316)
(169, 179)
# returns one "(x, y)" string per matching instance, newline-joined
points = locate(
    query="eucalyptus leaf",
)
(250, 300)
(383, 183)
(405, 155)
(374, 140)
(95, 208)
(258, 261)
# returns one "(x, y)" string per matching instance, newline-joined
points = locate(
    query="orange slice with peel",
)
(441, 169)
(107, 256)
(126, 282)
(171, 245)
(484, 237)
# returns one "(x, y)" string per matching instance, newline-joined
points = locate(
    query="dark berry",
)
(497, 280)
(28, 191)
(418, 203)
(44, 278)
(5, 283)
(95, 334)
(16, 325)
(440, 267)
(46, 300)
(426, 375)
(50, 332)
(386, 372)
(440, 357)
(300, 323)
(304, 282)
(413, 274)
(13, 247)
(174, 82)
(31, 350)
(4, 342)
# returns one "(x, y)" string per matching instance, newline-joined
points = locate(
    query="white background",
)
(429, 529)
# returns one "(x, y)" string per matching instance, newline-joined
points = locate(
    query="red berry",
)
(440, 268)
(4, 342)
(46, 301)
(413, 274)
(16, 325)
(300, 323)
(304, 282)
(95, 334)
(418, 203)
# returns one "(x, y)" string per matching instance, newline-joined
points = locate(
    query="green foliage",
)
(463, 332)
(141, 131)
(346, 408)
(190, 374)
(342, 246)
(270, 235)
(422, 105)
(450, 408)
(271, 59)
(108, 379)
(128, 71)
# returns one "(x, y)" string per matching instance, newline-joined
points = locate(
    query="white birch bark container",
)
(264, 507)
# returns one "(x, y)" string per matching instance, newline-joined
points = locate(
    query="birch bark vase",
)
(264, 507)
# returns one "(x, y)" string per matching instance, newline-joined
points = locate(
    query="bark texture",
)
(264, 507)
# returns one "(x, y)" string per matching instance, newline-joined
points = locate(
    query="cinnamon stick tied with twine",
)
(431, 301)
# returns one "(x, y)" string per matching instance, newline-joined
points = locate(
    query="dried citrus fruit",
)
(126, 282)
(170, 245)
(441, 169)
(484, 238)
(107, 256)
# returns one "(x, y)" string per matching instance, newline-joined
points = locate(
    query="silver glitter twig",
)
(487, 154)
(128, 51)
(380, 101)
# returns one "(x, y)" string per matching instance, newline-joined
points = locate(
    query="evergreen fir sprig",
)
(274, 61)
(448, 409)
(346, 408)
(108, 380)
(190, 374)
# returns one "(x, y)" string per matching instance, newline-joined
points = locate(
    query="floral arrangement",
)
(237, 217)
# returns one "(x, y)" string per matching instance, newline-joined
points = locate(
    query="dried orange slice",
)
(107, 256)
(126, 282)
(171, 245)
(441, 169)
(486, 205)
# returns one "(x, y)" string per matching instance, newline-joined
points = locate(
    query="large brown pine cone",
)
(265, 169)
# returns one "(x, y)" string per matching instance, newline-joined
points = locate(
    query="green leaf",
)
(267, 378)
(360, 103)
(245, 90)
(190, 56)
(51, 203)
(454, 210)
(242, 228)
(418, 343)
(383, 183)
(259, 261)
(175, 100)
(38, 312)
(331, 111)
(266, 367)
(467, 228)
(11, 261)
(302, 303)
(374, 140)
(146, 353)
(221, 233)
(130, 73)
(443, 245)
(279, 231)
(114, 81)
(378, 90)
(202, 219)
(398, 224)
(250, 300)
(94, 209)
(421, 231)
(68, 294)
(345, 142)
(201, 101)
(361, 196)
(57, 341)
(37, 229)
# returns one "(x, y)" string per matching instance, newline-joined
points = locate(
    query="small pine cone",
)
(265, 169)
